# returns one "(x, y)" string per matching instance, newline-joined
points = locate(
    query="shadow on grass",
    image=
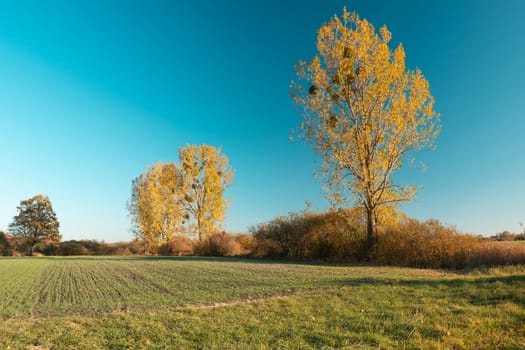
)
(489, 291)
(218, 259)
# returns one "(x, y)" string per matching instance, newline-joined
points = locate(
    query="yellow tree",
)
(363, 112)
(156, 205)
(206, 175)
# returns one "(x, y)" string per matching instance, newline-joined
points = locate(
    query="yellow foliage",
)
(156, 205)
(172, 200)
(206, 174)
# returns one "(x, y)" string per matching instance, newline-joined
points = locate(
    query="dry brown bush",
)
(246, 241)
(218, 244)
(265, 247)
(432, 244)
(496, 254)
(179, 246)
(319, 236)
(424, 244)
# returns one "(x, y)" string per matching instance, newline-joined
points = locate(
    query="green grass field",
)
(143, 303)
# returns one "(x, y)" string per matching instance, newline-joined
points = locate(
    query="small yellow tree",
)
(363, 112)
(156, 205)
(207, 175)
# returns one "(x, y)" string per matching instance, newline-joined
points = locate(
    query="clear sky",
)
(91, 92)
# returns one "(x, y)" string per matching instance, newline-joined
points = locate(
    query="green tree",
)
(36, 222)
(363, 112)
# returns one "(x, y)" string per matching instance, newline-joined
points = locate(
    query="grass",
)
(122, 303)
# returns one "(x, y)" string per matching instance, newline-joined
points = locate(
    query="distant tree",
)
(36, 221)
(505, 236)
(206, 176)
(363, 112)
(170, 200)
(156, 205)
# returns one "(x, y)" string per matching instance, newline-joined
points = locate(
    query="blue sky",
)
(91, 92)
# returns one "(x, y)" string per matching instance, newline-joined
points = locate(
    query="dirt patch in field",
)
(277, 295)
(280, 295)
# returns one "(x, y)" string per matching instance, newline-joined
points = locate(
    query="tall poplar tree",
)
(207, 175)
(364, 112)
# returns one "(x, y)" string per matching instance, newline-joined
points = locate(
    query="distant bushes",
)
(509, 236)
(87, 247)
(15, 246)
(336, 235)
(218, 244)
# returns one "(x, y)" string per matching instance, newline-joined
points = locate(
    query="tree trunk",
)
(370, 230)
(199, 227)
